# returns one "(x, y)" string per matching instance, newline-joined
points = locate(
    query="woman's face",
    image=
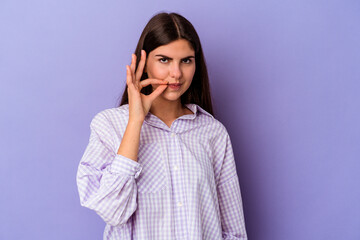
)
(174, 62)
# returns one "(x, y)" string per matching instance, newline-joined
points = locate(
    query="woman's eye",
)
(166, 60)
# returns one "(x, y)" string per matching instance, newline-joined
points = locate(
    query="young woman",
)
(160, 166)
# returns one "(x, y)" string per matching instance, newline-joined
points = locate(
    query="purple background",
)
(285, 83)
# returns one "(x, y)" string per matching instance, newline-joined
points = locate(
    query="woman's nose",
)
(175, 71)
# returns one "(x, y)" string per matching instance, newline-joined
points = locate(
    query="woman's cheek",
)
(159, 72)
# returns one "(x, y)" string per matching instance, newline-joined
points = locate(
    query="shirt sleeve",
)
(230, 202)
(106, 180)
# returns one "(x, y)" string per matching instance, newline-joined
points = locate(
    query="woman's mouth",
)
(175, 86)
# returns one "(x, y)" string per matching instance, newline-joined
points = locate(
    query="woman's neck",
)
(168, 111)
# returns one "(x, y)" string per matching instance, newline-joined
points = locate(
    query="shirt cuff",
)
(124, 165)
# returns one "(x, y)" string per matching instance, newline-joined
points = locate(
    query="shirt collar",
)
(195, 109)
(153, 120)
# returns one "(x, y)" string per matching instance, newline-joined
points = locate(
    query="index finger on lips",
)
(149, 81)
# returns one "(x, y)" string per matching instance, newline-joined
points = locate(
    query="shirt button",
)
(176, 167)
(173, 134)
(179, 204)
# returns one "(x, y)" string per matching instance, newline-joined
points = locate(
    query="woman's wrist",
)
(135, 121)
(129, 145)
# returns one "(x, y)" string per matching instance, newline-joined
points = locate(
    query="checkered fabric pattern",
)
(184, 184)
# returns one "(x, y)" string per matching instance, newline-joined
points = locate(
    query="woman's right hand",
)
(139, 103)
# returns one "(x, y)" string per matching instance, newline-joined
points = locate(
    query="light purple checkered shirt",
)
(183, 186)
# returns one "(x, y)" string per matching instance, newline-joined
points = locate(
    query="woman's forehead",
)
(177, 49)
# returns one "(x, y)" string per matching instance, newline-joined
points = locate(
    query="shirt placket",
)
(176, 173)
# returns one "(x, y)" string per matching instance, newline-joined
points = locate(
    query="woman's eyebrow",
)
(160, 55)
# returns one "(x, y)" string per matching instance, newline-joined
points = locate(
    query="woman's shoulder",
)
(207, 119)
(115, 114)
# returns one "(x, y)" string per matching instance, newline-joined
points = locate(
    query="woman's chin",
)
(172, 96)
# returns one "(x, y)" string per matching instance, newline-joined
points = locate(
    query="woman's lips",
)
(175, 86)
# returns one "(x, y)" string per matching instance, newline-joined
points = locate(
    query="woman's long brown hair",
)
(162, 29)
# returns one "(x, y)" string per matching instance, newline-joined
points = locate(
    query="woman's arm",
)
(106, 181)
(228, 189)
(106, 176)
(130, 143)
(139, 105)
